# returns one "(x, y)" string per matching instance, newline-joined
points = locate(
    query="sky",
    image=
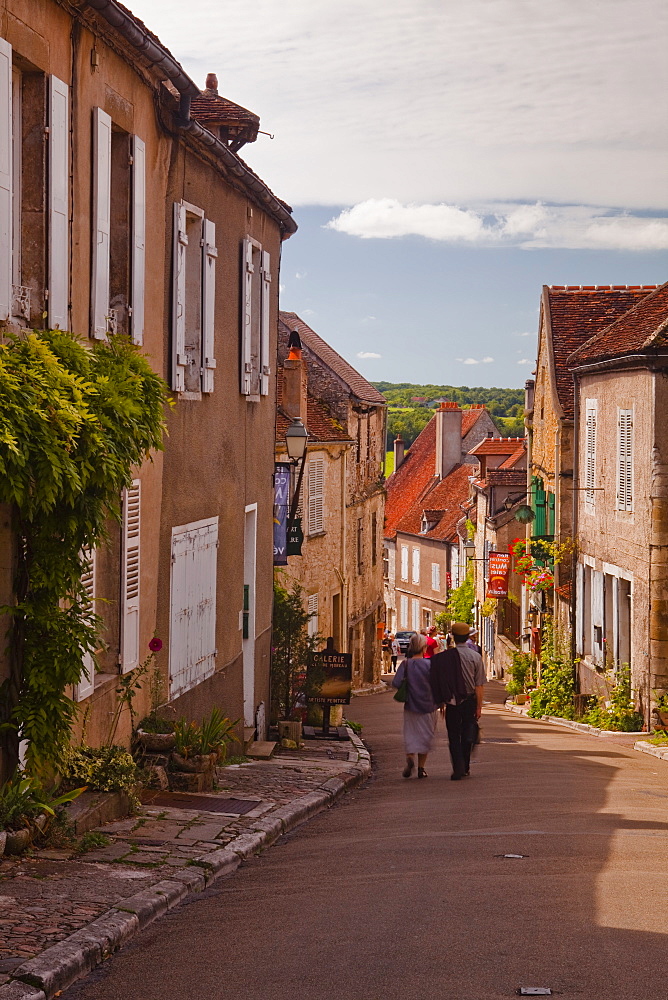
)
(445, 160)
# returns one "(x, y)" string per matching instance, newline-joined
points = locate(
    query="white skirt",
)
(419, 731)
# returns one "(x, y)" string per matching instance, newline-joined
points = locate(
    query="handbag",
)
(402, 691)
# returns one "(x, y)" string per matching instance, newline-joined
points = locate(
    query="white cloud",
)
(574, 227)
(525, 361)
(528, 333)
(475, 361)
(368, 354)
(308, 312)
(300, 274)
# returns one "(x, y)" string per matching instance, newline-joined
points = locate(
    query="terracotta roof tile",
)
(446, 497)
(506, 477)
(321, 423)
(411, 479)
(575, 314)
(217, 110)
(498, 446)
(357, 384)
(470, 418)
(642, 327)
(516, 456)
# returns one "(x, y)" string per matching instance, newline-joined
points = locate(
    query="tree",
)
(291, 648)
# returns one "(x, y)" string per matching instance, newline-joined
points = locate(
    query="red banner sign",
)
(497, 574)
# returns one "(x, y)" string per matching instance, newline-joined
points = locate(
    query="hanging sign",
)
(281, 504)
(329, 678)
(498, 573)
(295, 538)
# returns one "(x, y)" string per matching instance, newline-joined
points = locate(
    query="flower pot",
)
(17, 841)
(192, 765)
(288, 730)
(156, 742)
(663, 717)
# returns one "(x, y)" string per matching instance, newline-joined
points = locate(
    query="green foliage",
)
(442, 621)
(23, 797)
(292, 647)
(92, 840)
(555, 695)
(101, 769)
(154, 724)
(355, 726)
(521, 672)
(459, 606)
(470, 528)
(212, 736)
(73, 423)
(616, 713)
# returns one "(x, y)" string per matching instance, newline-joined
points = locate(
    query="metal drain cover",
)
(535, 991)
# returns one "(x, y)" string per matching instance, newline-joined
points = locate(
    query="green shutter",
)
(550, 513)
(538, 498)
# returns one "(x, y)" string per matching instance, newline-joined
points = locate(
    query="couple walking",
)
(452, 681)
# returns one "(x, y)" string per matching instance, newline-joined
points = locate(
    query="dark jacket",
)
(446, 678)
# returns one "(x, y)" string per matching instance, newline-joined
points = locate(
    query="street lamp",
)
(296, 440)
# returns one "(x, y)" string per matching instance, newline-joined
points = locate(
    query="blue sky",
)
(445, 160)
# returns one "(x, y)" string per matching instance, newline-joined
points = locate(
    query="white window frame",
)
(436, 576)
(207, 303)
(253, 304)
(625, 459)
(183, 674)
(312, 608)
(58, 208)
(138, 241)
(404, 563)
(415, 565)
(591, 420)
(316, 496)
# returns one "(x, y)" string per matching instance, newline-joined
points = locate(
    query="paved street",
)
(402, 891)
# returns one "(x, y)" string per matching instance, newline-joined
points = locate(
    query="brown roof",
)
(214, 110)
(320, 423)
(498, 446)
(506, 477)
(446, 498)
(470, 417)
(357, 384)
(642, 327)
(576, 313)
(516, 456)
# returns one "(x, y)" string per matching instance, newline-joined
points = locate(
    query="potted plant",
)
(25, 811)
(156, 735)
(196, 750)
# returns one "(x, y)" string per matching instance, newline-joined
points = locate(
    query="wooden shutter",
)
(180, 243)
(579, 608)
(86, 685)
(590, 453)
(59, 174)
(403, 604)
(625, 459)
(415, 575)
(415, 624)
(265, 340)
(192, 637)
(313, 611)
(5, 179)
(130, 577)
(101, 223)
(435, 576)
(246, 317)
(404, 562)
(540, 524)
(316, 476)
(137, 297)
(209, 254)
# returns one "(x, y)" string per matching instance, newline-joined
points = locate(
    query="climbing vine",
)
(73, 423)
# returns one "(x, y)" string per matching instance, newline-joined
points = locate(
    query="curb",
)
(59, 966)
(642, 746)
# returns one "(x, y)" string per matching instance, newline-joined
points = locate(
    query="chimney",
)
(295, 380)
(398, 451)
(448, 438)
(211, 86)
(529, 389)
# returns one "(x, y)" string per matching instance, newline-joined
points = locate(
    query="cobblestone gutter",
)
(60, 916)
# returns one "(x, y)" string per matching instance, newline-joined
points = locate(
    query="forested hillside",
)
(410, 407)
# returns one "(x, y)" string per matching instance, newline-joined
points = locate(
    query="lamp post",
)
(296, 440)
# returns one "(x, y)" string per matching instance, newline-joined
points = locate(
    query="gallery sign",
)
(498, 571)
(329, 678)
(281, 504)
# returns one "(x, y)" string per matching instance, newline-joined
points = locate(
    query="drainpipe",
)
(574, 532)
(658, 576)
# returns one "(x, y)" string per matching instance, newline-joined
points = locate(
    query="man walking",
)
(457, 678)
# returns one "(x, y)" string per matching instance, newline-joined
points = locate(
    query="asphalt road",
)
(402, 890)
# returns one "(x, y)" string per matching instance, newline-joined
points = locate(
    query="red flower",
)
(155, 645)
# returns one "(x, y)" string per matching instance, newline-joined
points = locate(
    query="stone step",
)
(262, 750)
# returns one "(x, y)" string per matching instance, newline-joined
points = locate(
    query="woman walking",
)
(419, 707)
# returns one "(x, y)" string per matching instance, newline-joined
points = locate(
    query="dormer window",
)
(426, 525)
(430, 519)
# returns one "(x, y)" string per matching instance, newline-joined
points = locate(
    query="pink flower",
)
(155, 645)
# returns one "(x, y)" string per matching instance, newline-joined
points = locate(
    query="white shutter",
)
(101, 223)
(179, 299)
(192, 635)
(579, 608)
(246, 317)
(590, 451)
(415, 624)
(138, 238)
(59, 174)
(403, 605)
(316, 475)
(313, 611)
(597, 605)
(435, 576)
(416, 565)
(209, 254)
(265, 360)
(625, 460)
(404, 562)
(5, 179)
(86, 685)
(130, 577)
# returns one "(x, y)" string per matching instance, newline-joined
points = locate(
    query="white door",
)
(192, 631)
(248, 617)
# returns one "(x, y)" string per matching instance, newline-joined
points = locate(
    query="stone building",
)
(621, 515)
(343, 496)
(426, 495)
(121, 212)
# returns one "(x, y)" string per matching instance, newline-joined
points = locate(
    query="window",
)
(416, 566)
(404, 562)
(119, 230)
(508, 620)
(403, 611)
(316, 475)
(374, 543)
(415, 609)
(313, 611)
(360, 544)
(193, 307)
(386, 563)
(590, 450)
(131, 538)
(435, 576)
(33, 199)
(624, 459)
(256, 300)
(426, 618)
(192, 645)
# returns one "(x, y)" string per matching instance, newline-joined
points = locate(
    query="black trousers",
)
(459, 721)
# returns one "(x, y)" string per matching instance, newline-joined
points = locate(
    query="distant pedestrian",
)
(457, 679)
(471, 641)
(386, 648)
(432, 643)
(419, 707)
(396, 652)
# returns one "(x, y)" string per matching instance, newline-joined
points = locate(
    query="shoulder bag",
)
(402, 690)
